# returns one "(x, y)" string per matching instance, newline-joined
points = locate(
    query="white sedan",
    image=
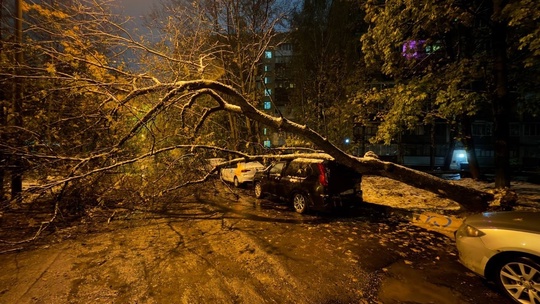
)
(504, 247)
(243, 173)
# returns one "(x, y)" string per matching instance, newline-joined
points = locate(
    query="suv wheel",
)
(236, 182)
(299, 202)
(258, 190)
(520, 279)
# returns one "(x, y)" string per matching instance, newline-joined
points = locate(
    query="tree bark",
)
(432, 146)
(449, 152)
(501, 99)
(17, 171)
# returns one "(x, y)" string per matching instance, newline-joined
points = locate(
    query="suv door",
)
(273, 182)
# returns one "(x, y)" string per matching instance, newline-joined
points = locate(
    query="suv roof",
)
(309, 160)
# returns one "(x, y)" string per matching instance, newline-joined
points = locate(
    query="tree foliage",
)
(452, 66)
(327, 66)
(87, 107)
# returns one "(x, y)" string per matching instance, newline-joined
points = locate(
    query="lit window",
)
(267, 92)
(267, 68)
(266, 80)
(267, 143)
(267, 106)
(430, 49)
(265, 131)
(268, 54)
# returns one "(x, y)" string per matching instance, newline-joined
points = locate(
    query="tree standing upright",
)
(17, 170)
(327, 65)
(502, 104)
(454, 65)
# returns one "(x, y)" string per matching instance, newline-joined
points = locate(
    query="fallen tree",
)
(228, 99)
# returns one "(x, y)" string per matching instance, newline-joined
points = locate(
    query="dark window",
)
(482, 129)
(531, 129)
(514, 129)
(298, 169)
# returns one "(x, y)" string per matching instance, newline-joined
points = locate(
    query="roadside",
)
(228, 249)
(433, 212)
(222, 247)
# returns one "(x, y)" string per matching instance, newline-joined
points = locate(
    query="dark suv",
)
(310, 183)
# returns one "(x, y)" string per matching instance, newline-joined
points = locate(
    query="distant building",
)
(414, 148)
(275, 84)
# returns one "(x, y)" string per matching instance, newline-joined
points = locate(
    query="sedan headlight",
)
(470, 231)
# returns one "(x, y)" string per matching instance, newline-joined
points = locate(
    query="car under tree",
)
(310, 183)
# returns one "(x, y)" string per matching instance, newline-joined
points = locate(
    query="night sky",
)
(134, 8)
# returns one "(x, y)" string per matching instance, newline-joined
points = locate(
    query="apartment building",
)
(275, 83)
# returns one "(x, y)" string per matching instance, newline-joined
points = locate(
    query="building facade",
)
(275, 84)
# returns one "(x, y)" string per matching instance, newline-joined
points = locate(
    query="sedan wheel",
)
(520, 279)
(299, 203)
(258, 190)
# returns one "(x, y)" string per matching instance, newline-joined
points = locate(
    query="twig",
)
(11, 250)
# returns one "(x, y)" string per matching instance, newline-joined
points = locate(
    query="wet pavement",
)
(224, 247)
(397, 256)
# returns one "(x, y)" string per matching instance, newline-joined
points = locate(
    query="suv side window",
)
(298, 169)
(277, 168)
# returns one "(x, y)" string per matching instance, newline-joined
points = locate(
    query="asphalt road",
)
(386, 258)
(222, 248)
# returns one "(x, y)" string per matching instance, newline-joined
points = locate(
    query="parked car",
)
(504, 247)
(242, 174)
(310, 183)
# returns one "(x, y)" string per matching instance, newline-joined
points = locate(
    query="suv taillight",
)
(322, 175)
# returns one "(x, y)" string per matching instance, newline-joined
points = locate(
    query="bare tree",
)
(228, 38)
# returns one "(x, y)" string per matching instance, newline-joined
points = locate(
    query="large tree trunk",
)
(17, 171)
(470, 199)
(432, 146)
(449, 153)
(501, 99)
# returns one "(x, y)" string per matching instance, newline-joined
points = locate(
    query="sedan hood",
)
(512, 220)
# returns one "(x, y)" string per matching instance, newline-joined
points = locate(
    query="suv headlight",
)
(470, 231)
